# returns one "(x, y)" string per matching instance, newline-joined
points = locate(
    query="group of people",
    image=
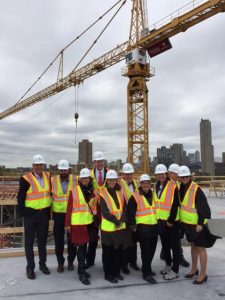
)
(126, 213)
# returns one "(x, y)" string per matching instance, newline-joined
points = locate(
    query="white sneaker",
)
(165, 270)
(171, 275)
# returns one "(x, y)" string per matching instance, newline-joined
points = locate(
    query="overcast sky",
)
(189, 82)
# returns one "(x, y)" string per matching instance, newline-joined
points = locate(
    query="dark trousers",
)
(92, 246)
(170, 238)
(36, 226)
(130, 253)
(148, 248)
(111, 260)
(81, 255)
(59, 236)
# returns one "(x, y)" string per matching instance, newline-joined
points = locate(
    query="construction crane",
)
(141, 39)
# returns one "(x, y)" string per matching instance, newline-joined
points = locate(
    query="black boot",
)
(83, 275)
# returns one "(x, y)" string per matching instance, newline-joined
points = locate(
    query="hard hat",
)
(98, 155)
(145, 177)
(128, 168)
(85, 172)
(184, 171)
(160, 169)
(38, 159)
(63, 164)
(111, 174)
(173, 168)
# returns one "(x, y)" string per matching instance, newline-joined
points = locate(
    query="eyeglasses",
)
(183, 177)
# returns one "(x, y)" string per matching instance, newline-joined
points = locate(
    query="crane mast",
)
(137, 70)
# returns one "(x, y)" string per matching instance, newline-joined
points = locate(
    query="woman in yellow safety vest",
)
(194, 212)
(167, 204)
(143, 221)
(113, 228)
(79, 219)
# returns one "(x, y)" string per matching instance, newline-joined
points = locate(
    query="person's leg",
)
(42, 235)
(92, 246)
(107, 261)
(203, 262)
(117, 262)
(81, 255)
(164, 236)
(29, 233)
(175, 246)
(72, 252)
(58, 231)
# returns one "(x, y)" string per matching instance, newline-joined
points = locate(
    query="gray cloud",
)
(188, 86)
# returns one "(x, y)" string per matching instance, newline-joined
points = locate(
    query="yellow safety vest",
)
(164, 203)
(125, 188)
(60, 200)
(117, 212)
(38, 197)
(188, 212)
(145, 214)
(81, 214)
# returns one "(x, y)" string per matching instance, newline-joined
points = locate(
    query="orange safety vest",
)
(145, 214)
(117, 212)
(38, 197)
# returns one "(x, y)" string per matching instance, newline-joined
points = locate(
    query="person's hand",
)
(199, 228)
(68, 228)
(169, 224)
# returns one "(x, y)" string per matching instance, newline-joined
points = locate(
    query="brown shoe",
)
(60, 268)
(70, 266)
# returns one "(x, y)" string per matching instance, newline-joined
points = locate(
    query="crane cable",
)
(76, 114)
(89, 27)
(95, 41)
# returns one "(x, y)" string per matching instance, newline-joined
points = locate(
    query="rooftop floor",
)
(15, 285)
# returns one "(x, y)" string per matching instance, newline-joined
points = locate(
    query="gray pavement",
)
(15, 285)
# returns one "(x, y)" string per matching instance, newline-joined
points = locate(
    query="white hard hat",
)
(160, 169)
(145, 177)
(38, 159)
(111, 174)
(85, 172)
(98, 155)
(63, 164)
(184, 171)
(128, 168)
(173, 168)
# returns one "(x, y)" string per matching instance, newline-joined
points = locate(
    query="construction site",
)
(144, 42)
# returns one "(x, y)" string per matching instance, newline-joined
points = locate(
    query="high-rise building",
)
(207, 151)
(223, 157)
(85, 152)
(197, 156)
(165, 156)
(191, 158)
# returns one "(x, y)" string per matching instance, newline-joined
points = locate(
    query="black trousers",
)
(130, 253)
(81, 255)
(148, 247)
(111, 260)
(170, 238)
(59, 236)
(92, 246)
(36, 226)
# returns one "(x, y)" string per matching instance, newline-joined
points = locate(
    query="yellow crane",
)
(141, 39)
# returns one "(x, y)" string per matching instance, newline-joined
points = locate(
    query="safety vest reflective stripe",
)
(145, 213)
(38, 197)
(81, 214)
(164, 203)
(126, 191)
(188, 212)
(60, 199)
(117, 212)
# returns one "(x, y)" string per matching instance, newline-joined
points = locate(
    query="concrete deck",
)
(15, 285)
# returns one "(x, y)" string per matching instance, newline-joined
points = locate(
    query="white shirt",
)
(97, 174)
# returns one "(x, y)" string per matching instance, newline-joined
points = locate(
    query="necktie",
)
(100, 178)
